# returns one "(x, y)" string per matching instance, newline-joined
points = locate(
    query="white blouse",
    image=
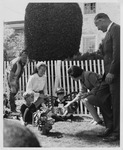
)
(36, 84)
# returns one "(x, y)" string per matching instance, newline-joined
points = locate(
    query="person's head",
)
(102, 21)
(17, 135)
(40, 68)
(4, 96)
(75, 72)
(23, 57)
(60, 93)
(29, 97)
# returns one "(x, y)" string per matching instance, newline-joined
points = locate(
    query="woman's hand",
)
(67, 105)
(84, 95)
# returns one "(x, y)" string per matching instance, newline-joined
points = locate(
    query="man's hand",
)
(109, 78)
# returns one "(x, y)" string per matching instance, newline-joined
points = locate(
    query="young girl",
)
(37, 82)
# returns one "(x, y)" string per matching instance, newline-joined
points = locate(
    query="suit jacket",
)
(111, 50)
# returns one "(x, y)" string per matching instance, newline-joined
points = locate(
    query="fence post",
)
(57, 75)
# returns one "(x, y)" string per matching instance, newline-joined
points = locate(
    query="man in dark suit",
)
(111, 53)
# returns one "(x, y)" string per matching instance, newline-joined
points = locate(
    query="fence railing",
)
(57, 73)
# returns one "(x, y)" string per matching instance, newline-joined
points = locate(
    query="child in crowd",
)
(30, 106)
(60, 113)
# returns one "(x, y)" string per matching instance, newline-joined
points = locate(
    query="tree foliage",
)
(52, 30)
(87, 56)
(13, 43)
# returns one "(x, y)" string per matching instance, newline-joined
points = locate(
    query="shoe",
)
(101, 123)
(106, 133)
(92, 121)
(70, 116)
(111, 138)
(98, 123)
(14, 113)
(59, 136)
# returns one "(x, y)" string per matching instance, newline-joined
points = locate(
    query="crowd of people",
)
(96, 90)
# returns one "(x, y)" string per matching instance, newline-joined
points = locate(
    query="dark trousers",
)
(61, 118)
(12, 96)
(57, 118)
(115, 94)
(12, 101)
(104, 97)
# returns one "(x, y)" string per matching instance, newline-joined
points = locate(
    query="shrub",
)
(87, 56)
(52, 30)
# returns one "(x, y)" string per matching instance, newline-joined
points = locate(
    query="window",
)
(89, 43)
(89, 8)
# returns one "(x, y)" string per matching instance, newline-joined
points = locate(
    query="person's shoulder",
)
(23, 106)
(13, 66)
(91, 74)
(33, 76)
(87, 73)
(115, 27)
(44, 76)
(94, 74)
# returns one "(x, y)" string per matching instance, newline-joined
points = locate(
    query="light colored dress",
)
(36, 84)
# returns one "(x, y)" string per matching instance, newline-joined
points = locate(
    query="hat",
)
(60, 90)
(40, 63)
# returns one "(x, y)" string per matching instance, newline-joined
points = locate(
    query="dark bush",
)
(52, 30)
(87, 56)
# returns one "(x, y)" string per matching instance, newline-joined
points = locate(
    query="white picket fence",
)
(57, 76)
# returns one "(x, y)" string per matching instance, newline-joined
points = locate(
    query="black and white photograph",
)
(61, 74)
